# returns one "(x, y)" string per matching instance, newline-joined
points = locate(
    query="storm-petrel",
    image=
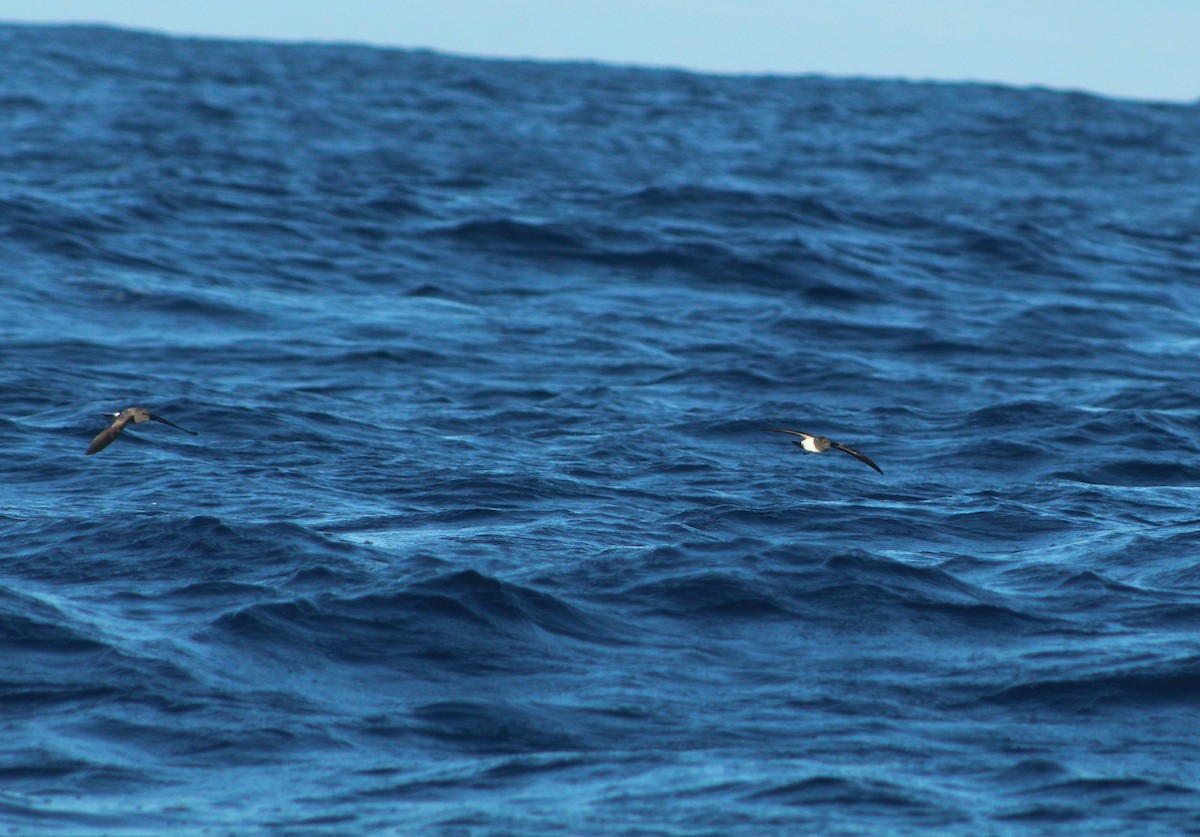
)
(819, 444)
(137, 415)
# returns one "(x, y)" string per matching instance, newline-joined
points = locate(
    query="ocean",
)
(481, 533)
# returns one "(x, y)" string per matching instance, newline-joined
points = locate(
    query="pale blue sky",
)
(1147, 49)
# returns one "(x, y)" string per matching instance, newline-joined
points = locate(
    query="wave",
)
(463, 622)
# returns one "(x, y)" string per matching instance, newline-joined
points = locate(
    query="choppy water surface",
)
(481, 534)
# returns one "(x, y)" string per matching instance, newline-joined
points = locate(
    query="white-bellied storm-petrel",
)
(137, 415)
(819, 444)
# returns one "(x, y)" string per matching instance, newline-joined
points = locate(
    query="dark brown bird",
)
(819, 444)
(137, 415)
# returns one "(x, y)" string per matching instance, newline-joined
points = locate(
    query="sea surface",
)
(481, 533)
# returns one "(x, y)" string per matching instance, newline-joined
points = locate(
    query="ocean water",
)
(480, 533)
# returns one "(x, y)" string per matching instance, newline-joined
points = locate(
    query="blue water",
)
(480, 534)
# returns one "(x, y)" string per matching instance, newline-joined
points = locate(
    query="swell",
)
(462, 621)
(481, 531)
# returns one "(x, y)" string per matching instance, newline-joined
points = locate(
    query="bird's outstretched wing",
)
(173, 424)
(800, 433)
(105, 437)
(860, 457)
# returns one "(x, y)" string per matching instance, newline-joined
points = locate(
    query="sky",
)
(1141, 49)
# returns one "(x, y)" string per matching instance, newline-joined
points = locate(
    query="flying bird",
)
(819, 444)
(137, 415)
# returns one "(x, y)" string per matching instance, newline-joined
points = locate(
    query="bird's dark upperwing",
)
(173, 424)
(105, 437)
(799, 433)
(860, 457)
